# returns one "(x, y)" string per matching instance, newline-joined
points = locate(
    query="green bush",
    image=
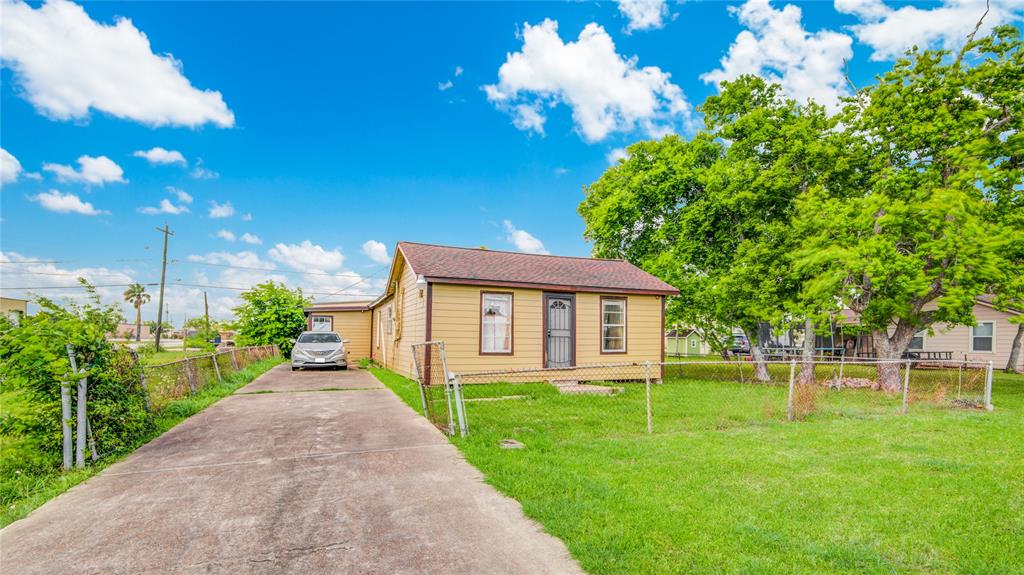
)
(197, 342)
(34, 362)
(271, 315)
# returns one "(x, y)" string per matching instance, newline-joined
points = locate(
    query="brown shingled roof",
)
(443, 264)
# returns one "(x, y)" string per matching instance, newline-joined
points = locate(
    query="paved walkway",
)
(328, 473)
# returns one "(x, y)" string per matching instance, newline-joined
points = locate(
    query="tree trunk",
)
(806, 375)
(138, 323)
(1014, 361)
(760, 367)
(889, 349)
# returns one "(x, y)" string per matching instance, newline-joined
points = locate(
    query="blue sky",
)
(326, 126)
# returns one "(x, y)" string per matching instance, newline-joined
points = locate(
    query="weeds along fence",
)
(178, 379)
(654, 397)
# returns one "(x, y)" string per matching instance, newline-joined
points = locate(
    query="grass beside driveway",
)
(720, 488)
(28, 479)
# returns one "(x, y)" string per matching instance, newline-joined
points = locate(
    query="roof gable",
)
(444, 264)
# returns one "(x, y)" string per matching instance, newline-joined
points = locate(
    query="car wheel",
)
(344, 367)
(294, 368)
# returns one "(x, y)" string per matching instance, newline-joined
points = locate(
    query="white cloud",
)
(776, 47)
(65, 203)
(10, 167)
(458, 71)
(606, 92)
(376, 251)
(561, 171)
(892, 31)
(523, 240)
(179, 193)
(644, 14)
(67, 64)
(307, 256)
(226, 235)
(617, 155)
(160, 155)
(165, 207)
(251, 239)
(33, 271)
(247, 217)
(225, 210)
(446, 85)
(99, 170)
(201, 173)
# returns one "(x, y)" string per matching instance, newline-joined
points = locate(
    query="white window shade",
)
(496, 323)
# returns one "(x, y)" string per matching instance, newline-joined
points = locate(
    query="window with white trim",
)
(496, 323)
(983, 336)
(917, 342)
(322, 323)
(613, 325)
(390, 319)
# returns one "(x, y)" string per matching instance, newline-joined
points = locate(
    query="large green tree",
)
(271, 314)
(712, 215)
(936, 139)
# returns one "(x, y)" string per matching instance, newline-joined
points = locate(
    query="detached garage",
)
(350, 320)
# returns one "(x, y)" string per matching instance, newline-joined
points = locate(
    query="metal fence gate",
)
(440, 391)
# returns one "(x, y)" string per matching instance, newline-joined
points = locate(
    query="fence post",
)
(188, 375)
(842, 363)
(234, 360)
(792, 379)
(906, 387)
(460, 407)
(647, 386)
(420, 376)
(80, 418)
(65, 418)
(216, 368)
(988, 387)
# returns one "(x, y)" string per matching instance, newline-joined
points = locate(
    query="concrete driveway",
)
(306, 472)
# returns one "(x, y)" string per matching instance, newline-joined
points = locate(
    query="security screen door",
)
(561, 330)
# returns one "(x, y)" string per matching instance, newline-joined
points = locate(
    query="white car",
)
(319, 349)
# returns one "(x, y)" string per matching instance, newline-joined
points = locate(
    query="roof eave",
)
(553, 287)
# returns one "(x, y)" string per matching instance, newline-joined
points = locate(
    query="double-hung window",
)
(917, 342)
(496, 323)
(322, 323)
(613, 325)
(983, 336)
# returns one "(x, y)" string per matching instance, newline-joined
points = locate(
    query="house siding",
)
(957, 339)
(455, 319)
(354, 326)
(394, 350)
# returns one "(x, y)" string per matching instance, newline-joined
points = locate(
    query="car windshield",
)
(319, 338)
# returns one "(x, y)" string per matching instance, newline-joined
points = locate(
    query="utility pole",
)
(206, 315)
(166, 231)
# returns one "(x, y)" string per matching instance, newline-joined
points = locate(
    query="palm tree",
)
(137, 296)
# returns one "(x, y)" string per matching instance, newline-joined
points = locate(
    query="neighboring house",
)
(351, 320)
(498, 310)
(126, 330)
(990, 340)
(14, 308)
(685, 341)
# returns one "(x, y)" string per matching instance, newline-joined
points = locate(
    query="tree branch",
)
(970, 37)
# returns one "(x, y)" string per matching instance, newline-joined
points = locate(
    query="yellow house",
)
(498, 310)
(14, 308)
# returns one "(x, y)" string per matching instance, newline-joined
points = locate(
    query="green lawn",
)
(726, 485)
(167, 356)
(28, 478)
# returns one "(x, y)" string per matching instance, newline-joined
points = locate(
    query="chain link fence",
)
(439, 393)
(167, 382)
(629, 398)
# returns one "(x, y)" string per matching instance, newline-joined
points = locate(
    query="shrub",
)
(272, 314)
(34, 361)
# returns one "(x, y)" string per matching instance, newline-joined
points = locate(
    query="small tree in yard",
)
(271, 315)
(940, 144)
